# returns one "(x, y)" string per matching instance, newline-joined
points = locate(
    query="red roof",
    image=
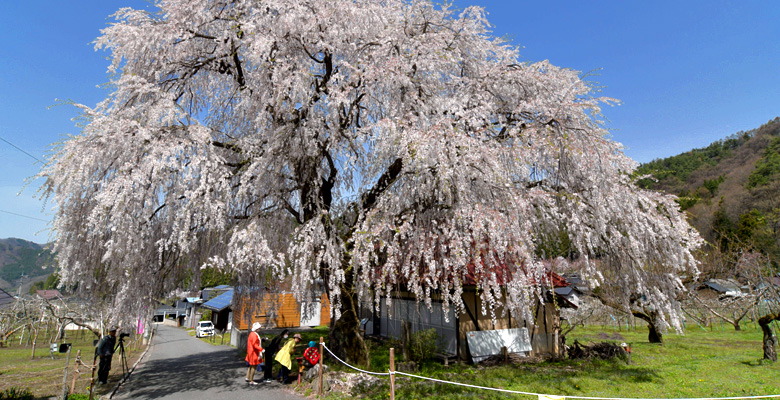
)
(503, 272)
(49, 294)
(501, 268)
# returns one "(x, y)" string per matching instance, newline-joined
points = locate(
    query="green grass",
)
(218, 339)
(43, 375)
(720, 363)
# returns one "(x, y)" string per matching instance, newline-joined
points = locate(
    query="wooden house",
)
(272, 311)
(544, 330)
(278, 310)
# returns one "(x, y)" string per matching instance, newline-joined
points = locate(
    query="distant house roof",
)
(220, 302)
(49, 294)
(724, 287)
(5, 298)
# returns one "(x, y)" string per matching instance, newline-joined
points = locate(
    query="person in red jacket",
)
(253, 353)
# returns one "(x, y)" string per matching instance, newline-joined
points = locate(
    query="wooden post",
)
(505, 353)
(392, 373)
(65, 377)
(92, 379)
(322, 355)
(75, 372)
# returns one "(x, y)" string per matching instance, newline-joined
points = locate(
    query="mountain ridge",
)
(22, 260)
(728, 188)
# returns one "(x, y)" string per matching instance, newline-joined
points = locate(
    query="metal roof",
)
(564, 291)
(723, 286)
(220, 302)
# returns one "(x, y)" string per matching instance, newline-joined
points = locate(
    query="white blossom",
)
(372, 143)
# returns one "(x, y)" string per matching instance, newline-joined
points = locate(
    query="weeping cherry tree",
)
(360, 145)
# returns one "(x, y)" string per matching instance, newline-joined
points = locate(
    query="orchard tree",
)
(364, 145)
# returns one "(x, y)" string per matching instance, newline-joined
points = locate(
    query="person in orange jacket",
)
(253, 353)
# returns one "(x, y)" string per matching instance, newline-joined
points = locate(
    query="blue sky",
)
(687, 72)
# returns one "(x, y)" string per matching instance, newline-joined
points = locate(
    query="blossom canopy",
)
(362, 144)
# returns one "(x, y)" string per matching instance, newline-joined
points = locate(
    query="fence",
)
(541, 396)
(92, 368)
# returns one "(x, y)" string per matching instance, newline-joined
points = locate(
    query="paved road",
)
(179, 366)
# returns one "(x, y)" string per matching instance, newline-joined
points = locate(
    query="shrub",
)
(424, 344)
(15, 393)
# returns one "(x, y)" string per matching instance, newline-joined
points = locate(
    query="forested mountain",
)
(729, 188)
(20, 257)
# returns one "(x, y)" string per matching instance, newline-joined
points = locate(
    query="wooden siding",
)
(278, 310)
(466, 324)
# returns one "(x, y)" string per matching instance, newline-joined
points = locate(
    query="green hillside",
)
(20, 258)
(729, 188)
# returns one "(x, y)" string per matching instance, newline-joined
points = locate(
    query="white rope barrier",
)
(355, 368)
(542, 395)
(465, 384)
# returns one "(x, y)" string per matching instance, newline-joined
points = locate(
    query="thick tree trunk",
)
(344, 338)
(654, 335)
(769, 339)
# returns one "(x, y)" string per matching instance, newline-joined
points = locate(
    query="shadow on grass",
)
(757, 363)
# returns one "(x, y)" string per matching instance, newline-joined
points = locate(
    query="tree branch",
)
(384, 181)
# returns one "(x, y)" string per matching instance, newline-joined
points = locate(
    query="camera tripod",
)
(122, 356)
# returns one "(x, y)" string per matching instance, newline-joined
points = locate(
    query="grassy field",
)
(719, 363)
(218, 339)
(43, 375)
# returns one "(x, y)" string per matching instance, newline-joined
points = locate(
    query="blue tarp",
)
(220, 302)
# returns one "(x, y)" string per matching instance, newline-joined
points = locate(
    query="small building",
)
(453, 331)
(221, 312)
(720, 289)
(192, 305)
(165, 312)
(51, 294)
(273, 310)
(279, 310)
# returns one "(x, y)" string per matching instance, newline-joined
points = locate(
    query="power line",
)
(18, 148)
(25, 216)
